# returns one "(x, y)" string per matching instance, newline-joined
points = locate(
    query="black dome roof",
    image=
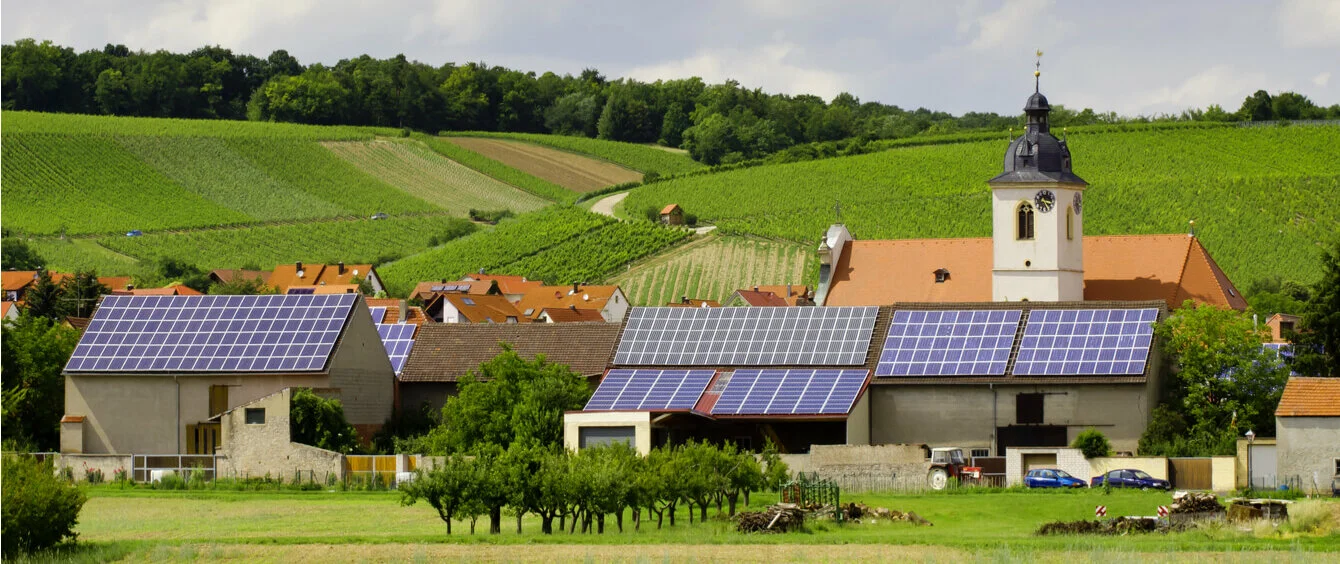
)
(1037, 155)
(1037, 102)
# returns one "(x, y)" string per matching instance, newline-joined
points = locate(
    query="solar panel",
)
(958, 343)
(398, 338)
(296, 291)
(649, 390)
(1085, 341)
(736, 336)
(212, 333)
(378, 314)
(790, 392)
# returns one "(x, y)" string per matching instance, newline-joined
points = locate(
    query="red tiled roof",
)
(507, 284)
(571, 315)
(485, 309)
(80, 323)
(1310, 397)
(583, 296)
(1172, 268)
(424, 290)
(760, 298)
(669, 209)
(286, 275)
(14, 280)
(694, 302)
(228, 275)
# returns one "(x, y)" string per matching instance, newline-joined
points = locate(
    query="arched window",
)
(1069, 222)
(1024, 222)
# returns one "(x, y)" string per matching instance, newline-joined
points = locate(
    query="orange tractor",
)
(948, 462)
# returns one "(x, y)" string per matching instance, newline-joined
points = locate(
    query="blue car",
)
(1051, 478)
(1131, 478)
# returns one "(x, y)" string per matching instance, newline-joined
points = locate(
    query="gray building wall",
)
(1307, 447)
(967, 415)
(362, 372)
(255, 450)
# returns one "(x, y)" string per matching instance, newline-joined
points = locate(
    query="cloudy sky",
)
(1135, 57)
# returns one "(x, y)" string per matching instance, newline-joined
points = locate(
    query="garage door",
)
(596, 436)
(1032, 461)
(1264, 465)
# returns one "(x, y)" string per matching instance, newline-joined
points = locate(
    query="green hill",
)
(1262, 197)
(642, 158)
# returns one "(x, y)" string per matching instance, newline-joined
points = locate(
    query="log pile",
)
(778, 518)
(1118, 526)
(1195, 502)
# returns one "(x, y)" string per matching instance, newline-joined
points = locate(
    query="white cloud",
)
(463, 21)
(1322, 79)
(1015, 23)
(1309, 23)
(1214, 85)
(766, 66)
(186, 24)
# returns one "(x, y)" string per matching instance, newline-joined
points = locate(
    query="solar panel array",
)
(212, 333)
(790, 392)
(954, 342)
(743, 336)
(1086, 341)
(398, 338)
(378, 314)
(449, 288)
(649, 390)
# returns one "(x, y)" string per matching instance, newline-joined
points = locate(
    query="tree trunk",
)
(495, 521)
(547, 525)
(637, 519)
(473, 518)
(576, 516)
(563, 521)
(703, 507)
(519, 513)
(690, 504)
(448, 520)
(600, 523)
(718, 496)
(746, 498)
(730, 502)
(672, 514)
(660, 518)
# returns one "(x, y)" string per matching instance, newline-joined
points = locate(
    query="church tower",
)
(1037, 215)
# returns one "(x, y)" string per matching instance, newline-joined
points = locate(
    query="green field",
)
(1262, 198)
(637, 157)
(593, 255)
(138, 524)
(714, 267)
(534, 185)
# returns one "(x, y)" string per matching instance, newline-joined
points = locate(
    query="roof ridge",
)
(1181, 273)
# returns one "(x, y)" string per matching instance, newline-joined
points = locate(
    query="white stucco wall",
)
(1048, 267)
(1069, 459)
(1307, 447)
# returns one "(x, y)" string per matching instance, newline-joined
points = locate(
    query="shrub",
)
(491, 217)
(93, 475)
(1092, 443)
(320, 422)
(39, 509)
(170, 482)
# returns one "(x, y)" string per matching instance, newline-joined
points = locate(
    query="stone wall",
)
(259, 449)
(108, 463)
(866, 467)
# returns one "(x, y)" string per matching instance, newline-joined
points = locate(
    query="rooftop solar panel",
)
(378, 314)
(736, 336)
(955, 342)
(288, 333)
(398, 338)
(649, 390)
(790, 392)
(1071, 342)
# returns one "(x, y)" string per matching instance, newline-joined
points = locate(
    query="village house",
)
(672, 215)
(299, 275)
(17, 282)
(467, 308)
(771, 296)
(425, 292)
(610, 301)
(151, 372)
(514, 287)
(1307, 433)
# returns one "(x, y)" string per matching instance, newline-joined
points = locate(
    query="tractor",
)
(948, 462)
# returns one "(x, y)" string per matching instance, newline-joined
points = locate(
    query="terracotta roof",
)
(669, 209)
(445, 351)
(14, 280)
(1310, 397)
(485, 309)
(424, 290)
(507, 284)
(1172, 268)
(583, 296)
(286, 275)
(759, 298)
(571, 315)
(5, 307)
(416, 316)
(694, 302)
(335, 289)
(169, 290)
(392, 306)
(79, 323)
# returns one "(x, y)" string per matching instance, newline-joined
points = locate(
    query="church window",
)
(1069, 222)
(1025, 222)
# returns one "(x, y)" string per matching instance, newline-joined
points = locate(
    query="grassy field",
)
(1262, 198)
(641, 158)
(412, 167)
(713, 268)
(569, 170)
(135, 524)
(523, 180)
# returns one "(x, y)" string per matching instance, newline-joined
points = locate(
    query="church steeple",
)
(1037, 155)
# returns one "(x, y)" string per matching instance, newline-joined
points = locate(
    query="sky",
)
(1135, 58)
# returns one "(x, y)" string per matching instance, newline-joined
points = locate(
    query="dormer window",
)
(1024, 222)
(941, 276)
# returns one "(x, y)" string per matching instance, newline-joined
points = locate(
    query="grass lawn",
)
(285, 526)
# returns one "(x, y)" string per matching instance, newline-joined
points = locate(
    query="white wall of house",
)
(1309, 448)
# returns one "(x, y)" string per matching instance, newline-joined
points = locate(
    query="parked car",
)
(379, 215)
(1051, 478)
(134, 233)
(1131, 478)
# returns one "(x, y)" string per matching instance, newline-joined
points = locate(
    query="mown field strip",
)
(569, 170)
(414, 168)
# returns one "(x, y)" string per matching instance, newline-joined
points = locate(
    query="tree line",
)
(716, 123)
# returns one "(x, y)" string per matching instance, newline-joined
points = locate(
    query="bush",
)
(1092, 443)
(39, 509)
(491, 217)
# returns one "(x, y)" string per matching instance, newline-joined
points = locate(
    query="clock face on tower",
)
(1079, 202)
(1045, 200)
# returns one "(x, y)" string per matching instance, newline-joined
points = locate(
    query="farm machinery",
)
(948, 462)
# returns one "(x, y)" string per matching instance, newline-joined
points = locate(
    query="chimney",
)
(755, 288)
(481, 271)
(576, 287)
(341, 267)
(298, 266)
(404, 312)
(572, 307)
(788, 291)
(444, 280)
(683, 299)
(130, 287)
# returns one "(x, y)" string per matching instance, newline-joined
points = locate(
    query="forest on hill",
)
(716, 123)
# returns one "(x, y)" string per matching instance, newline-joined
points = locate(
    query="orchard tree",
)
(512, 400)
(445, 488)
(320, 422)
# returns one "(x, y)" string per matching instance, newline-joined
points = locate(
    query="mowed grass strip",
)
(209, 167)
(713, 268)
(523, 180)
(569, 170)
(90, 184)
(974, 522)
(642, 158)
(412, 167)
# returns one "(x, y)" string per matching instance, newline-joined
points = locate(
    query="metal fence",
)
(184, 465)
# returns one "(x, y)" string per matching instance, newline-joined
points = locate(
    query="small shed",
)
(672, 215)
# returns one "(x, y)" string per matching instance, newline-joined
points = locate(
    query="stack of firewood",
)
(778, 518)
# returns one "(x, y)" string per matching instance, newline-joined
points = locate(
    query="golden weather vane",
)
(1037, 70)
